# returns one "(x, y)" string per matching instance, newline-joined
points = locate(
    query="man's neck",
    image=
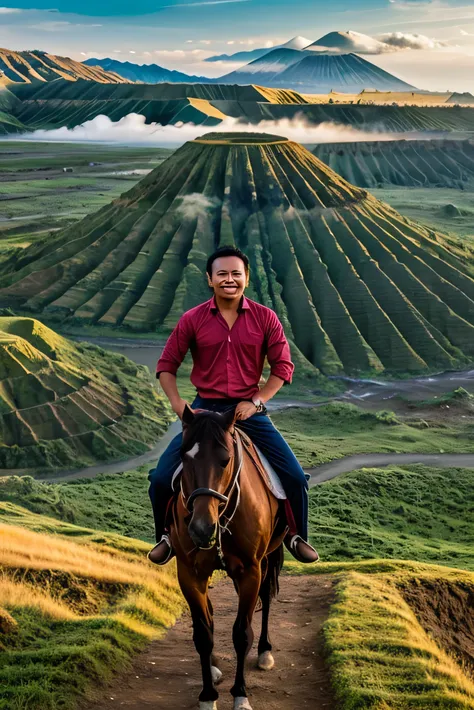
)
(227, 304)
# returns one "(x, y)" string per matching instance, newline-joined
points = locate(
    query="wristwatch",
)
(259, 405)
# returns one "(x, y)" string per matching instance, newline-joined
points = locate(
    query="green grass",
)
(36, 197)
(96, 503)
(410, 512)
(425, 205)
(75, 605)
(340, 429)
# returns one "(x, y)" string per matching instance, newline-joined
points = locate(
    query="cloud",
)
(132, 130)
(9, 10)
(466, 34)
(197, 205)
(59, 26)
(203, 2)
(406, 40)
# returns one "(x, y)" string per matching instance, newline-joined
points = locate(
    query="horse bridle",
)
(221, 497)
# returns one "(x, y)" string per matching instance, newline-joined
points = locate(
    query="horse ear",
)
(228, 418)
(188, 415)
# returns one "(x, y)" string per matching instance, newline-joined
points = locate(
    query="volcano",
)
(315, 72)
(358, 287)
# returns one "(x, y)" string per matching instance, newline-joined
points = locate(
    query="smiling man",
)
(229, 338)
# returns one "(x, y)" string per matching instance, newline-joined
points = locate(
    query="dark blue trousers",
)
(264, 434)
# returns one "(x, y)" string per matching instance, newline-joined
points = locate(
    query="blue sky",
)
(180, 34)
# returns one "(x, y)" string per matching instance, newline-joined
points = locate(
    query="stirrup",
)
(292, 544)
(164, 538)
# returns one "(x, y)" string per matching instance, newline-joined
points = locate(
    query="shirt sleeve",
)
(278, 350)
(176, 347)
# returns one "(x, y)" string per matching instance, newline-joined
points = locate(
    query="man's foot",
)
(301, 550)
(162, 552)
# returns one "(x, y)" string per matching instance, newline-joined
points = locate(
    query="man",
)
(229, 337)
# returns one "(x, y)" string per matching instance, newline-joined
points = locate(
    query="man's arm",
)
(171, 358)
(279, 358)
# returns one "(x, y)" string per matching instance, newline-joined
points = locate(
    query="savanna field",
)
(96, 266)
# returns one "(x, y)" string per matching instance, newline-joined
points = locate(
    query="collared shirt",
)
(228, 363)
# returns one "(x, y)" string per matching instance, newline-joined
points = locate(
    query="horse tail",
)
(275, 564)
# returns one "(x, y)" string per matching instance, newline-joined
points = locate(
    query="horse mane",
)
(208, 426)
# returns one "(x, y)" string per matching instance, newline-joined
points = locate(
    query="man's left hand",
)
(245, 410)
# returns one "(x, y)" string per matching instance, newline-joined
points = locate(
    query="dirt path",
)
(167, 674)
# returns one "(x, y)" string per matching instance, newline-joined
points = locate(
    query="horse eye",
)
(224, 462)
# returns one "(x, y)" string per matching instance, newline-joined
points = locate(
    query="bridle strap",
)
(210, 491)
(206, 492)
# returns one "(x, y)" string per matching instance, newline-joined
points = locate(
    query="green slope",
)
(70, 103)
(425, 163)
(64, 404)
(358, 287)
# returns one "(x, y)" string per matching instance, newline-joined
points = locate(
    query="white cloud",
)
(231, 42)
(203, 2)
(59, 26)
(466, 34)
(132, 129)
(9, 10)
(406, 40)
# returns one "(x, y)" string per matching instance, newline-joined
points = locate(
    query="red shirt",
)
(228, 363)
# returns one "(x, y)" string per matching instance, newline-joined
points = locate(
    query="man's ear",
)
(188, 415)
(228, 418)
(209, 280)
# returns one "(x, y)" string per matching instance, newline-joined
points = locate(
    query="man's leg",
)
(160, 493)
(266, 436)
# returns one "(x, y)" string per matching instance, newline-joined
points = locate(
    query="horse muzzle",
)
(203, 533)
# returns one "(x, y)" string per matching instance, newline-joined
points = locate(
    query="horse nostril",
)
(202, 533)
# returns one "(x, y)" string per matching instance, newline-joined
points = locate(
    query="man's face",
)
(228, 277)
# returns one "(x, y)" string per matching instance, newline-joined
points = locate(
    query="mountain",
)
(347, 43)
(65, 403)
(250, 55)
(40, 66)
(408, 163)
(358, 287)
(312, 72)
(145, 73)
(67, 103)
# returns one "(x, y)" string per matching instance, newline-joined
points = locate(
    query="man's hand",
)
(178, 407)
(245, 410)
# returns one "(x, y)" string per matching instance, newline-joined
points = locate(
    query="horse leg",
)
(194, 590)
(268, 590)
(265, 657)
(248, 583)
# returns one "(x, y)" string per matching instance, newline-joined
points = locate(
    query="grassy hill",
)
(75, 604)
(65, 405)
(429, 163)
(400, 637)
(36, 66)
(357, 287)
(70, 103)
(333, 431)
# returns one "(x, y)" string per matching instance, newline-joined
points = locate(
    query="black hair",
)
(227, 251)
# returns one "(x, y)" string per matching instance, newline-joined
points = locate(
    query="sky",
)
(180, 34)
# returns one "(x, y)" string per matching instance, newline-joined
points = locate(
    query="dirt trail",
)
(167, 674)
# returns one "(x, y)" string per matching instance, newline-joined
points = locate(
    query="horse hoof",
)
(266, 661)
(216, 674)
(207, 705)
(242, 703)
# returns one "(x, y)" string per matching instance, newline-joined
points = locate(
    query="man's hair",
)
(227, 251)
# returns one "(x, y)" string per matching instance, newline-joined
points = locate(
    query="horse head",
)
(208, 456)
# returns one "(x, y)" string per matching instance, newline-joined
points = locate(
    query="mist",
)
(132, 130)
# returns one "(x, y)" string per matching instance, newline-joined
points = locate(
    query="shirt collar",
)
(243, 305)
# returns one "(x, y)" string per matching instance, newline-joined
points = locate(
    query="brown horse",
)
(225, 518)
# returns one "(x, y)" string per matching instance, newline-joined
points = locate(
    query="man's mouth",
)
(229, 289)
